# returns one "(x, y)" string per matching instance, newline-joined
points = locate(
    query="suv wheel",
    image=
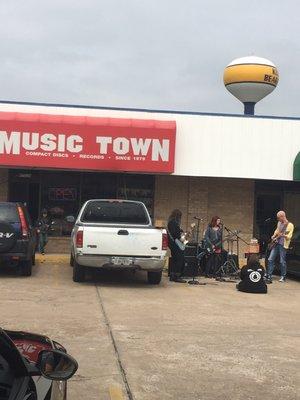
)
(154, 278)
(26, 267)
(78, 272)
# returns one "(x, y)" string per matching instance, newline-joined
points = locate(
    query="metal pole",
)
(249, 108)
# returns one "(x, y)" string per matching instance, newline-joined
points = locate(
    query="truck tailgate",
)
(122, 241)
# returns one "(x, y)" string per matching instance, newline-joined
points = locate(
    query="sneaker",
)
(268, 281)
(43, 253)
(282, 279)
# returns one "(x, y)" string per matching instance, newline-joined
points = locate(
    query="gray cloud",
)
(165, 54)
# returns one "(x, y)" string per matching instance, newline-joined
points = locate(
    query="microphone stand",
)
(195, 281)
(237, 235)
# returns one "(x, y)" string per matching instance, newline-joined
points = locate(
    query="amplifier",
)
(190, 250)
(190, 267)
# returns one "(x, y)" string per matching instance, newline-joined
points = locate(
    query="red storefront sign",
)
(86, 143)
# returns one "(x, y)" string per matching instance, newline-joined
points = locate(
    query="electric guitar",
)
(183, 241)
(217, 249)
(275, 240)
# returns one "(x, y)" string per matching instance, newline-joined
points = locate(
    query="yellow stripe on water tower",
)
(251, 73)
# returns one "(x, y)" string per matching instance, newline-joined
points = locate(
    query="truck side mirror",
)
(56, 365)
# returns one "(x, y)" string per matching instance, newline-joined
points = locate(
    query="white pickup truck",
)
(117, 234)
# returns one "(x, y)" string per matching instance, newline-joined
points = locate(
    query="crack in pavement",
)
(117, 354)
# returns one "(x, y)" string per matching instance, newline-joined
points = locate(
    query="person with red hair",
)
(213, 241)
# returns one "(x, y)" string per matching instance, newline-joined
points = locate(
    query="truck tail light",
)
(164, 244)
(79, 239)
(24, 227)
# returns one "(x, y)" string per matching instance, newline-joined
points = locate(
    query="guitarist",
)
(213, 240)
(177, 252)
(280, 243)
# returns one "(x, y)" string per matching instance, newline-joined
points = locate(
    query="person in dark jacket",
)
(43, 225)
(252, 277)
(213, 241)
(175, 232)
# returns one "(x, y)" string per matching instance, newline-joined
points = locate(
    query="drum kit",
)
(202, 250)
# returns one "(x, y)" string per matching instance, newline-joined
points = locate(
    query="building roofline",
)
(147, 110)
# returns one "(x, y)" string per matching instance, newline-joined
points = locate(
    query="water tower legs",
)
(249, 108)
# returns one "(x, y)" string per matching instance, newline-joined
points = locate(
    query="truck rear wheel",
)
(26, 267)
(78, 272)
(154, 278)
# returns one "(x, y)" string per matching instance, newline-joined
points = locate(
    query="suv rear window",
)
(8, 213)
(115, 213)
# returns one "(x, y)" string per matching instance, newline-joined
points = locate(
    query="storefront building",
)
(241, 168)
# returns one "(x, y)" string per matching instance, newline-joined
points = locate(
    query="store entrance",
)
(26, 192)
(267, 206)
(270, 197)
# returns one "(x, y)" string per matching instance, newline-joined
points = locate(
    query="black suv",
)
(17, 237)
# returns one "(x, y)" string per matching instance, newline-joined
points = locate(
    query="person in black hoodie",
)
(252, 277)
(175, 232)
(43, 225)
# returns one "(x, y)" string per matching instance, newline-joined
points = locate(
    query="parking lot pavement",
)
(171, 341)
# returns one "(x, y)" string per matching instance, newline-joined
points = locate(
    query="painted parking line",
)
(116, 393)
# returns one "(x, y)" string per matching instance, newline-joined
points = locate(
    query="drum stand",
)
(229, 267)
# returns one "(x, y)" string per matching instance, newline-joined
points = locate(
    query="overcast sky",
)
(158, 54)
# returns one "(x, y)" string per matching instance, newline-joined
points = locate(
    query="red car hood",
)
(30, 344)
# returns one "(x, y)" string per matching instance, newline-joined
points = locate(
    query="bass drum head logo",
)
(255, 276)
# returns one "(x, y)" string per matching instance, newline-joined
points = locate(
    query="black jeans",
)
(213, 263)
(177, 265)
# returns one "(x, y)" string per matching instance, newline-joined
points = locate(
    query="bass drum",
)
(8, 237)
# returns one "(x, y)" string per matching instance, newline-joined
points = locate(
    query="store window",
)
(121, 186)
(60, 197)
(138, 188)
(62, 193)
(98, 186)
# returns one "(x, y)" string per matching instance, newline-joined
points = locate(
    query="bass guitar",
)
(275, 240)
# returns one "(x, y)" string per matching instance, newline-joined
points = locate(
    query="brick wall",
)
(170, 193)
(231, 199)
(3, 184)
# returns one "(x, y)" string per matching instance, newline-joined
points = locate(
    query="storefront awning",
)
(87, 143)
(296, 171)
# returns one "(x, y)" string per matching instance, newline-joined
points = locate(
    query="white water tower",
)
(250, 79)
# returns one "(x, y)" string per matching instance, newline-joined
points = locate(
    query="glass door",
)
(60, 193)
